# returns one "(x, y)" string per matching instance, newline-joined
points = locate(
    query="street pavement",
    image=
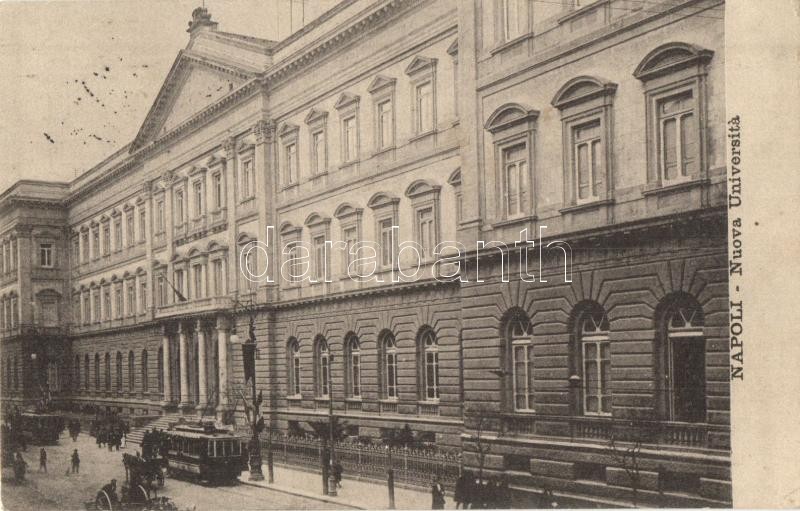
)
(58, 490)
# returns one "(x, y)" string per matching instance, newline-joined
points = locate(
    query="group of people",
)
(154, 443)
(110, 430)
(474, 493)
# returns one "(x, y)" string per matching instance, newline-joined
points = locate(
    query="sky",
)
(78, 77)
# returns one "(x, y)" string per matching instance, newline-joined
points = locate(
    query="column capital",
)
(223, 322)
(264, 130)
(229, 146)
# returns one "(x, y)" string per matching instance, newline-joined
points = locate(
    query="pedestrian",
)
(337, 473)
(76, 462)
(437, 494)
(459, 492)
(19, 468)
(124, 439)
(42, 460)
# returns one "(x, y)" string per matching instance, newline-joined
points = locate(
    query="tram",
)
(204, 453)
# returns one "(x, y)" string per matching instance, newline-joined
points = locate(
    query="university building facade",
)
(596, 127)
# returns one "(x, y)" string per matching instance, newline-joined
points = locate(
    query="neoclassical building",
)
(340, 166)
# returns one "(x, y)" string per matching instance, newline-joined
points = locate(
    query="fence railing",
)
(412, 467)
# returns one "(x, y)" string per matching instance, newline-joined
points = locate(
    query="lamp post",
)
(256, 421)
(331, 473)
(390, 476)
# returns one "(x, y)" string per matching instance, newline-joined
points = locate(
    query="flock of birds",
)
(91, 91)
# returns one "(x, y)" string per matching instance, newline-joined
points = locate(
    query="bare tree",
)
(481, 415)
(626, 455)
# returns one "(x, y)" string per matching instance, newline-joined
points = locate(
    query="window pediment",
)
(381, 199)
(316, 116)
(197, 169)
(455, 178)
(582, 88)
(381, 82)
(346, 210)
(421, 187)
(420, 63)
(115, 213)
(452, 50)
(315, 219)
(509, 115)
(671, 57)
(288, 229)
(346, 99)
(288, 129)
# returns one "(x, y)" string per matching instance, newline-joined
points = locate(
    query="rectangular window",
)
(391, 375)
(198, 199)
(350, 238)
(117, 234)
(426, 231)
(324, 377)
(142, 222)
(587, 161)
(385, 125)
(597, 377)
(160, 221)
(118, 301)
(349, 138)
(217, 268)
(13, 254)
(514, 22)
(387, 242)
(290, 155)
(131, 299)
(432, 375)
(247, 176)
(86, 309)
(216, 181)
(523, 376)
(46, 255)
(318, 152)
(515, 167)
(198, 281)
(179, 207)
(320, 263)
(162, 291)
(106, 239)
(678, 137)
(107, 303)
(143, 297)
(294, 263)
(130, 228)
(96, 301)
(85, 242)
(424, 106)
(355, 361)
(179, 282)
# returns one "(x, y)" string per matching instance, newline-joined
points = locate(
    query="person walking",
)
(437, 494)
(337, 473)
(76, 462)
(42, 460)
(20, 465)
(459, 492)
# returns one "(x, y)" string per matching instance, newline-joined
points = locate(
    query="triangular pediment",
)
(420, 63)
(379, 82)
(315, 116)
(193, 83)
(346, 99)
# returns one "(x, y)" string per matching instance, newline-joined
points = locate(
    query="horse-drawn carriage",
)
(147, 471)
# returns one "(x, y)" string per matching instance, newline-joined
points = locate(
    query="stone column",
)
(223, 330)
(202, 398)
(165, 364)
(183, 348)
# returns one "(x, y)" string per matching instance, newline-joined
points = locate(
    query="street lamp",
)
(256, 421)
(331, 474)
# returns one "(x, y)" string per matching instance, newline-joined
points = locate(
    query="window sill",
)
(508, 44)
(318, 175)
(515, 220)
(586, 206)
(384, 150)
(289, 186)
(581, 11)
(654, 189)
(348, 164)
(421, 136)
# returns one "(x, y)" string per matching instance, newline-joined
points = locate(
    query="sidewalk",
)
(357, 494)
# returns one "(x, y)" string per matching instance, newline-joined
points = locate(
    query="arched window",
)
(323, 367)
(119, 371)
(293, 350)
(96, 371)
(131, 377)
(520, 340)
(683, 359)
(389, 365)
(144, 371)
(108, 371)
(160, 367)
(77, 371)
(429, 350)
(594, 350)
(86, 371)
(353, 367)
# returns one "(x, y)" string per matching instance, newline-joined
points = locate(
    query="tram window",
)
(227, 444)
(211, 448)
(237, 448)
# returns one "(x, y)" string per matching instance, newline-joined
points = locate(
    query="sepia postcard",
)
(399, 254)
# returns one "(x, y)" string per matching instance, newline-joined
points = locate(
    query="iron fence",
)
(412, 467)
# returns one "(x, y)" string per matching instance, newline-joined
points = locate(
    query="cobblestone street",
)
(56, 490)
